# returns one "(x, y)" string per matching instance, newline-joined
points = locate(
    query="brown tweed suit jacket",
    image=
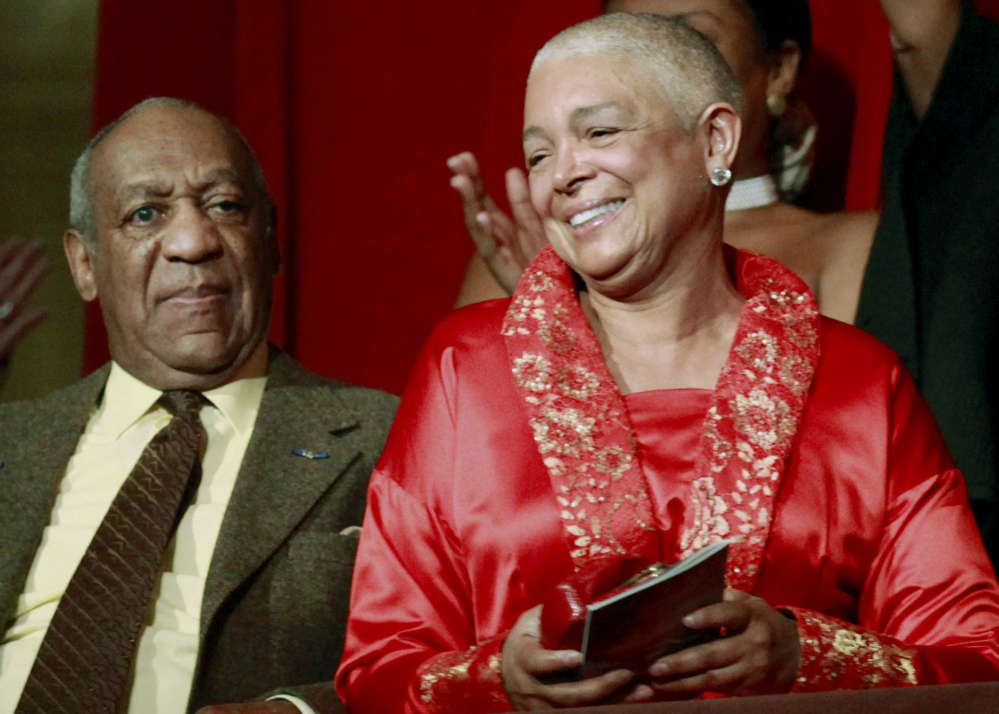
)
(275, 603)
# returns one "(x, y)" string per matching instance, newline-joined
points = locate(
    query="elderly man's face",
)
(181, 263)
(613, 173)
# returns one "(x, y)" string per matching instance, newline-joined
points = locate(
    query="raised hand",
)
(22, 267)
(759, 655)
(507, 245)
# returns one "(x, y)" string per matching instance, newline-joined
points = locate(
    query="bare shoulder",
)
(786, 233)
(846, 240)
(828, 251)
(848, 230)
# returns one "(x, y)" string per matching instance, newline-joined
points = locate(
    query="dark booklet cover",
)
(636, 626)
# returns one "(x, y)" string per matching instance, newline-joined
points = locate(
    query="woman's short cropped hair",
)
(683, 65)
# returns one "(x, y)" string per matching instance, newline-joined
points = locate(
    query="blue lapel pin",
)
(309, 454)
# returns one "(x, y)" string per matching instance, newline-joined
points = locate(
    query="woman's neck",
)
(679, 335)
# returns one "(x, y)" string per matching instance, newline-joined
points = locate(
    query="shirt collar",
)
(126, 399)
(239, 402)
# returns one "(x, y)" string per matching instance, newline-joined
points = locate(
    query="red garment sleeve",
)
(411, 644)
(929, 607)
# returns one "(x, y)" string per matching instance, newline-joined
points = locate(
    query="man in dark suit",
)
(172, 231)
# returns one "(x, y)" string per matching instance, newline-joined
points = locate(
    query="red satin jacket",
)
(515, 460)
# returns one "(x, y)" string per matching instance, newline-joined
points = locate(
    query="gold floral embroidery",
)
(708, 512)
(449, 668)
(533, 372)
(764, 419)
(759, 350)
(567, 432)
(539, 282)
(577, 382)
(581, 427)
(471, 677)
(802, 333)
(613, 461)
(556, 333)
(850, 656)
(795, 373)
(758, 405)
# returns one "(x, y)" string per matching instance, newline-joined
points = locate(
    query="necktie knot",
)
(183, 403)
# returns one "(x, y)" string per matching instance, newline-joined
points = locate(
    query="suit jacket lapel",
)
(37, 440)
(276, 488)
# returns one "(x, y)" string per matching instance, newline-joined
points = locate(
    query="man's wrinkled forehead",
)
(162, 145)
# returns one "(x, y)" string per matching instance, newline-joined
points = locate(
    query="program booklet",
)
(642, 622)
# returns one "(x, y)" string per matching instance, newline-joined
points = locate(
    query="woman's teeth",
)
(591, 213)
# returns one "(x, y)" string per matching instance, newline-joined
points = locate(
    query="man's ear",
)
(723, 128)
(78, 253)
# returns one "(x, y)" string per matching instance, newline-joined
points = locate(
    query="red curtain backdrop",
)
(353, 108)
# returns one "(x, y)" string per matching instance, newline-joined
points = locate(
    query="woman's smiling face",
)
(614, 174)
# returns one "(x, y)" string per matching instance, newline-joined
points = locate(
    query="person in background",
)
(765, 43)
(22, 267)
(179, 527)
(648, 392)
(929, 290)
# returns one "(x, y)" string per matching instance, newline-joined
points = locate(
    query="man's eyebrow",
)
(142, 188)
(159, 189)
(219, 176)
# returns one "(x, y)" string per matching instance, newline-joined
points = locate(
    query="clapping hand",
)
(507, 245)
(22, 267)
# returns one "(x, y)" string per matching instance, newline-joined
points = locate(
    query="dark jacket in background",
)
(931, 289)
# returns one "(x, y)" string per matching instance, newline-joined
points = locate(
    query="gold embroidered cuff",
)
(464, 681)
(838, 655)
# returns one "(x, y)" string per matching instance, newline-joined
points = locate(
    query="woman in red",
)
(644, 394)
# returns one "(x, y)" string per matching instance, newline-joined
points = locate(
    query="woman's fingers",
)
(14, 331)
(760, 653)
(531, 236)
(22, 265)
(734, 616)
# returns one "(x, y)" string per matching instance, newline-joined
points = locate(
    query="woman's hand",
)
(508, 246)
(759, 655)
(525, 662)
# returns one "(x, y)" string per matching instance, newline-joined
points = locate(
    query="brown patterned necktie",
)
(84, 661)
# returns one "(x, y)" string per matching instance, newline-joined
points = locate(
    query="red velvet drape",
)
(353, 108)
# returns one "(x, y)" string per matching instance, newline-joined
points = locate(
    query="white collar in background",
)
(752, 193)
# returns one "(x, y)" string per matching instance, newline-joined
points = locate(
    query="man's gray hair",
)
(689, 71)
(81, 209)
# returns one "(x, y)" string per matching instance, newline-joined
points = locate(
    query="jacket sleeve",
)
(411, 644)
(929, 609)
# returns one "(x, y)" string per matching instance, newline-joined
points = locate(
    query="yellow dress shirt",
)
(126, 420)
